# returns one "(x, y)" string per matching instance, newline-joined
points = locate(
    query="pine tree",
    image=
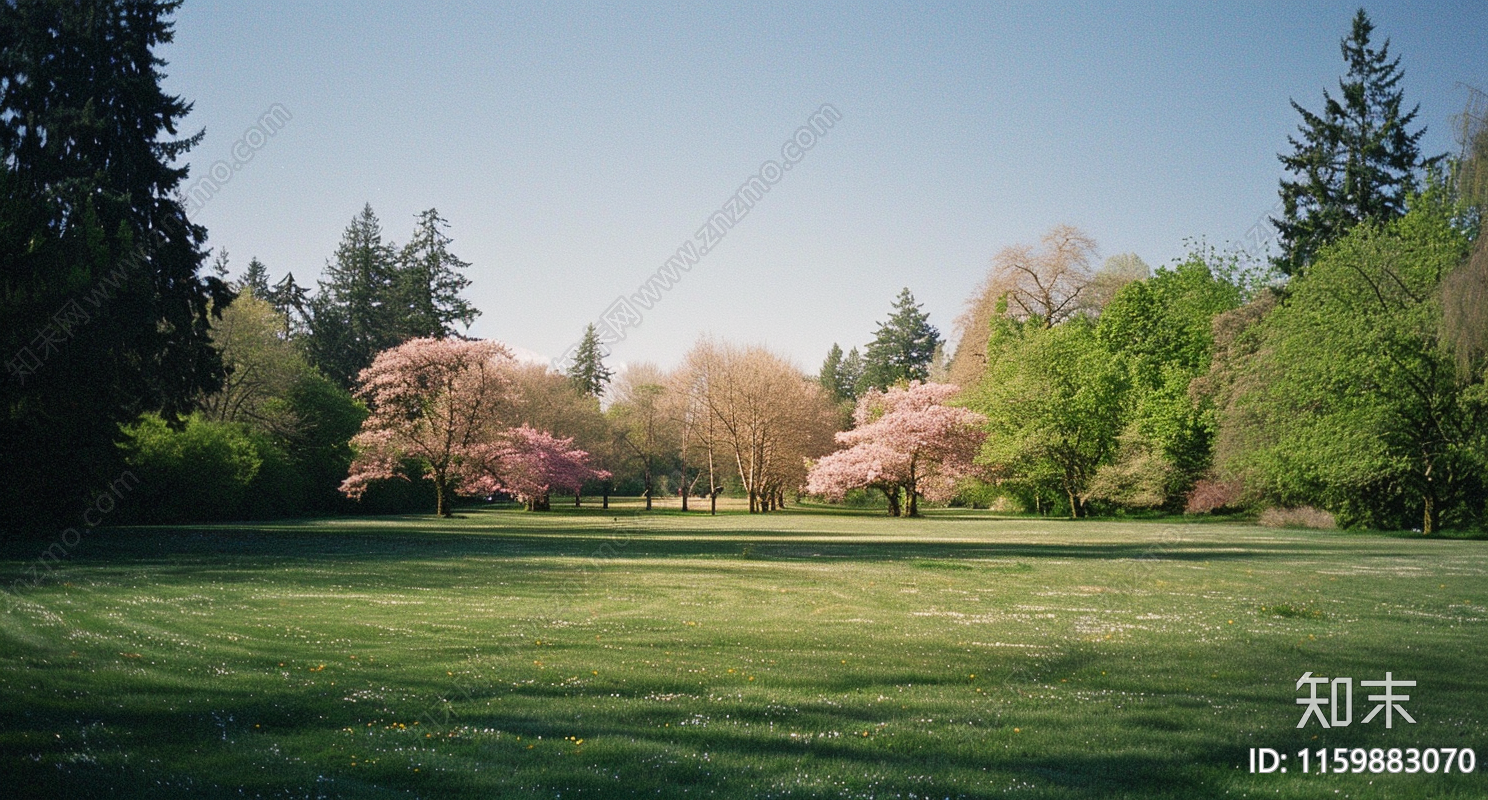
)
(106, 311)
(830, 375)
(588, 371)
(850, 374)
(292, 302)
(1356, 161)
(256, 279)
(903, 347)
(356, 314)
(430, 282)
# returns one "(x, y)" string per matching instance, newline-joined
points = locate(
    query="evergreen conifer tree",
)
(903, 347)
(1358, 160)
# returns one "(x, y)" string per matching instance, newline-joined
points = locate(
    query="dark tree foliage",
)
(256, 279)
(1358, 160)
(430, 282)
(588, 371)
(103, 312)
(292, 303)
(356, 313)
(903, 347)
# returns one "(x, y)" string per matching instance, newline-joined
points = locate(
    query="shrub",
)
(1210, 495)
(1304, 517)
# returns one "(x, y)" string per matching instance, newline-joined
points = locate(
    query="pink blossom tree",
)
(438, 403)
(905, 442)
(531, 464)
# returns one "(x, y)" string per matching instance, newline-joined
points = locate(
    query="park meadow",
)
(812, 654)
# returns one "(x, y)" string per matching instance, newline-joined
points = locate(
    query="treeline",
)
(1348, 379)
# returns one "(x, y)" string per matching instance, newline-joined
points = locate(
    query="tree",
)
(903, 347)
(262, 367)
(1048, 284)
(642, 426)
(256, 279)
(1053, 400)
(531, 464)
(1161, 332)
(440, 404)
(547, 401)
(429, 282)
(1356, 161)
(588, 371)
(1349, 397)
(905, 442)
(762, 414)
(105, 310)
(292, 303)
(356, 314)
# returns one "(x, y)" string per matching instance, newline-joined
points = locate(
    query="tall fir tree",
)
(105, 312)
(357, 313)
(1358, 160)
(292, 302)
(430, 281)
(256, 279)
(903, 348)
(588, 371)
(830, 374)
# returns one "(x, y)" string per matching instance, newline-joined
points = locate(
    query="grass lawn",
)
(815, 653)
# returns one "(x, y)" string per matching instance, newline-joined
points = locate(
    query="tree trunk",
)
(576, 498)
(684, 490)
(713, 501)
(648, 487)
(892, 495)
(1428, 519)
(1074, 503)
(441, 495)
(605, 502)
(914, 503)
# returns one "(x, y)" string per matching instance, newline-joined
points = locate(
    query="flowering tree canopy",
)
(532, 463)
(438, 403)
(905, 442)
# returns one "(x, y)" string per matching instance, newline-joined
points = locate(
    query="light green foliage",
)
(1160, 331)
(1053, 399)
(202, 471)
(1350, 396)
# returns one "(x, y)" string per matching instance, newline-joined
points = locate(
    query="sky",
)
(573, 148)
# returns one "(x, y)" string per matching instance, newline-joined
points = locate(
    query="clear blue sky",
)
(574, 148)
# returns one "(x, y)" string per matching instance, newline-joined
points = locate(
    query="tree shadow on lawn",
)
(250, 549)
(231, 740)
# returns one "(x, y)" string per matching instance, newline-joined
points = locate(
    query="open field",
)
(808, 654)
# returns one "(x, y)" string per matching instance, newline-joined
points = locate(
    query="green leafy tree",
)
(356, 314)
(1053, 401)
(903, 348)
(588, 371)
(430, 280)
(1160, 330)
(1351, 398)
(1358, 160)
(105, 309)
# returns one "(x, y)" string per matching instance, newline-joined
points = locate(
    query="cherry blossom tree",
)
(532, 464)
(440, 404)
(907, 443)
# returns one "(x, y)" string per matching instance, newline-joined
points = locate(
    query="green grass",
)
(816, 654)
